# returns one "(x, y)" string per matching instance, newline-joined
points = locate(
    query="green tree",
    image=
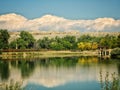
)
(85, 38)
(27, 38)
(18, 43)
(115, 53)
(69, 42)
(108, 41)
(118, 41)
(66, 44)
(4, 36)
(71, 39)
(44, 43)
(13, 44)
(104, 42)
(56, 46)
(22, 44)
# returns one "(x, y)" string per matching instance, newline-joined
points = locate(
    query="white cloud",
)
(14, 22)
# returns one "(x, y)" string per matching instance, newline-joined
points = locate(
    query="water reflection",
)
(4, 70)
(118, 68)
(56, 72)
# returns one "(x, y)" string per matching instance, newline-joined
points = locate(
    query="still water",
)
(69, 73)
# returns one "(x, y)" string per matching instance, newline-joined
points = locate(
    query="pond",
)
(58, 73)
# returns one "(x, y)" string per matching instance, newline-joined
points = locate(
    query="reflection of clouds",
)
(53, 76)
(15, 74)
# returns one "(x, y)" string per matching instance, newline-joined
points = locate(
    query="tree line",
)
(84, 42)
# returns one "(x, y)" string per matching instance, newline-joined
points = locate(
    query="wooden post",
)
(24, 54)
(16, 46)
(105, 52)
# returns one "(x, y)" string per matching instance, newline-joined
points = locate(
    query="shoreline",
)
(47, 54)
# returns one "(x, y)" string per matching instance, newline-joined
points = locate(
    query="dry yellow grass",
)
(46, 54)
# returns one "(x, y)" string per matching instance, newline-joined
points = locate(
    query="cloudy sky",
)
(82, 15)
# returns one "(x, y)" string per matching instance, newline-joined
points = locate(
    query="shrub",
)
(115, 53)
(0, 52)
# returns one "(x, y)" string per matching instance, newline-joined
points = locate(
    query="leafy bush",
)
(0, 52)
(115, 53)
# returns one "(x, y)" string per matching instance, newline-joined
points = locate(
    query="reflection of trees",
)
(110, 62)
(14, 63)
(4, 70)
(26, 67)
(86, 61)
(68, 61)
(12, 85)
(58, 62)
(118, 68)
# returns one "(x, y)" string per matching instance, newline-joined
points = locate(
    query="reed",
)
(12, 85)
(107, 84)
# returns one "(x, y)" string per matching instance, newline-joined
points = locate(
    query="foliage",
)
(4, 36)
(85, 38)
(81, 45)
(56, 46)
(13, 44)
(118, 41)
(26, 40)
(84, 42)
(44, 43)
(115, 53)
(87, 45)
(108, 41)
(0, 52)
(57, 43)
(94, 45)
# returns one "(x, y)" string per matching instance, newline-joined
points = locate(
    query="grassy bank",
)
(43, 54)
